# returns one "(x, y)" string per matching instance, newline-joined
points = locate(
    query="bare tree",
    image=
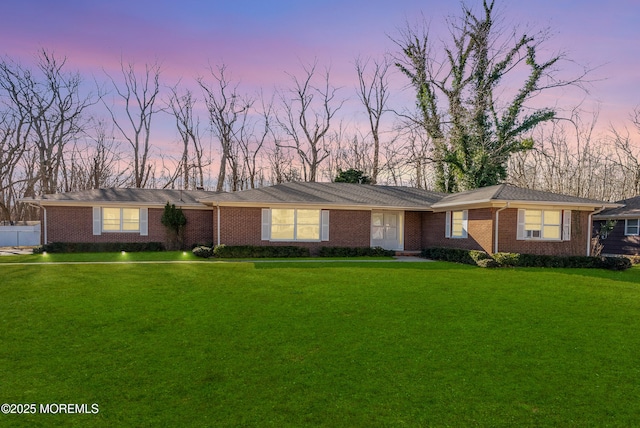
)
(225, 107)
(348, 152)
(252, 136)
(182, 108)
(373, 91)
(11, 151)
(570, 158)
(627, 157)
(139, 92)
(49, 111)
(281, 165)
(308, 111)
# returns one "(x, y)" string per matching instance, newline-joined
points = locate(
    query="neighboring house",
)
(624, 237)
(499, 218)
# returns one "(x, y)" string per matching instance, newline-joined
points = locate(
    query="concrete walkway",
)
(411, 259)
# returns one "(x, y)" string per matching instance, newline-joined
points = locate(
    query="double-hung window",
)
(456, 224)
(120, 219)
(552, 225)
(631, 226)
(295, 224)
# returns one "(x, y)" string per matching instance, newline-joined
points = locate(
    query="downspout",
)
(218, 225)
(44, 217)
(495, 238)
(590, 227)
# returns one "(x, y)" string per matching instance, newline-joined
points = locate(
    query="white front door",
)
(387, 230)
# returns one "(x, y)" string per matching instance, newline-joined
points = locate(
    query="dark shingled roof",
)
(140, 196)
(505, 192)
(332, 194)
(631, 208)
(322, 194)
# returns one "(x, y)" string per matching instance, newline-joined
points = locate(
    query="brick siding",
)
(243, 226)
(75, 224)
(413, 221)
(479, 228)
(577, 246)
(481, 233)
(347, 228)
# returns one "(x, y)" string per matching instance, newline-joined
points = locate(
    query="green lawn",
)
(320, 344)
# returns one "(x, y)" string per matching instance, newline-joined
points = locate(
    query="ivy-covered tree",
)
(174, 221)
(352, 176)
(474, 122)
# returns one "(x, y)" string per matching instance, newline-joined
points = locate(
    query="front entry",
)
(387, 230)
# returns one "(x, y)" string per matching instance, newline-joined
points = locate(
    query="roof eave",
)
(616, 216)
(519, 203)
(95, 203)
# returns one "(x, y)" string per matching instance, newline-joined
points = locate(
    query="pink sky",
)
(260, 41)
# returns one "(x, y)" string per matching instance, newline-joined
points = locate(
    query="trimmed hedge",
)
(99, 247)
(457, 255)
(482, 259)
(251, 251)
(355, 252)
(248, 251)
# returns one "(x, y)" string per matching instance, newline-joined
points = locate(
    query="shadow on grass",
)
(384, 264)
(631, 276)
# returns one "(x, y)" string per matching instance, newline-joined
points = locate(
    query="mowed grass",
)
(320, 344)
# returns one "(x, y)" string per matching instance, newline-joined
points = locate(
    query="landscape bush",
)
(252, 251)
(100, 247)
(487, 263)
(635, 260)
(482, 259)
(616, 263)
(507, 259)
(456, 255)
(202, 251)
(355, 252)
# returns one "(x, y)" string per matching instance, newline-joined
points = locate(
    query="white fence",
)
(20, 236)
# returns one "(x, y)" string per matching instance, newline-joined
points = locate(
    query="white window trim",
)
(323, 223)
(565, 226)
(448, 233)
(626, 227)
(143, 221)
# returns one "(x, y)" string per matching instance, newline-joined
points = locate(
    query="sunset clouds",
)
(260, 41)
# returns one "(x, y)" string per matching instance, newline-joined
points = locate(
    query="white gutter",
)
(44, 217)
(447, 205)
(495, 239)
(589, 228)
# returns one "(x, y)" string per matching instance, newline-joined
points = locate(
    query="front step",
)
(408, 253)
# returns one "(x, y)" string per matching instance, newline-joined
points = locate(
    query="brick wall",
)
(413, 221)
(577, 246)
(479, 227)
(243, 226)
(481, 234)
(75, 224)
